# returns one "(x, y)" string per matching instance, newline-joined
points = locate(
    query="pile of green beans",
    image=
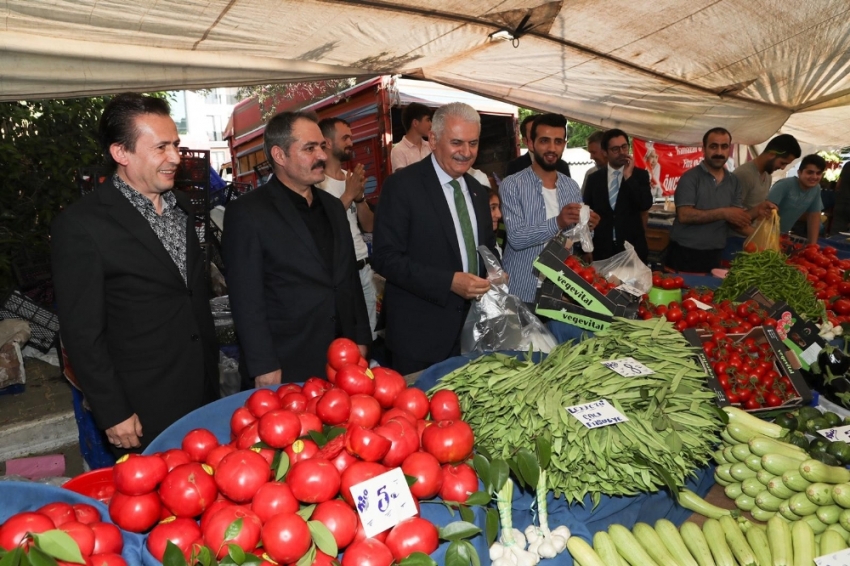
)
(775, 278)
(672, 424)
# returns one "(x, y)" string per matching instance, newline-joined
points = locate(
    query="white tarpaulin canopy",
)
(662, 69)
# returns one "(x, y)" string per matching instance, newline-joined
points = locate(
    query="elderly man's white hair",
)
(454, 109)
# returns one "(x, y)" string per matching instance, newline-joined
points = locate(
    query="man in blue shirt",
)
(800, 195)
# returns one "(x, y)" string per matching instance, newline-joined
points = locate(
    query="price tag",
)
(701, 305)
(627, 367)
(597, 414)
(838, 433)
(810, 354)
(383, 501)
(625, 287)
(840, 558)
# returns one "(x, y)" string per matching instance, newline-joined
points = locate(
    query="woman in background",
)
(496, 216)
(841, 212)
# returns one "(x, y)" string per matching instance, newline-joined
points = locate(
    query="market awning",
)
(661, 69)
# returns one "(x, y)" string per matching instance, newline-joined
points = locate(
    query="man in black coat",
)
(291, 269)
(620, 194)
(130, 283)
(429, 222)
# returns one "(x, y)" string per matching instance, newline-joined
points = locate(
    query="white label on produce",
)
(383, 501)
(840, 558)
(838, 433)
(625, 287)
(810, 354)
(597, 414)
(627, 367)
(700, 305)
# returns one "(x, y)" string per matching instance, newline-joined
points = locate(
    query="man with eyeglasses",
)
(708, 202)
(620, 194)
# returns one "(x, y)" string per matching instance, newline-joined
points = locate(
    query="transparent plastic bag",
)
(765, 236)
(501, 321)
(581, 231)
(626, 267)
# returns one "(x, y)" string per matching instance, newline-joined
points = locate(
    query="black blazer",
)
(634, 197)
(285, 300)
(415, 248)
(139, 339)
(524, 161)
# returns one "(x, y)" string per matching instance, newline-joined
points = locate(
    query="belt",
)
(361, 263)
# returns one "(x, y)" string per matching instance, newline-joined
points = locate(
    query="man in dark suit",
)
(524, 161)
(431, 217)
(130, 283)
(620, 194)
(291, 269)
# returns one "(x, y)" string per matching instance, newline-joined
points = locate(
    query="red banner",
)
(665, 163)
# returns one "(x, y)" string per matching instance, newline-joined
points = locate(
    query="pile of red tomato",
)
(722, 317)
(589, 274)
(666, 281)
(284, 479)
(829, 276)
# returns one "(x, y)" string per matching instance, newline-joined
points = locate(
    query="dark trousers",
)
(406, 365)
(690, 260)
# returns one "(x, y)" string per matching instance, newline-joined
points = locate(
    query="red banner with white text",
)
(665, 163)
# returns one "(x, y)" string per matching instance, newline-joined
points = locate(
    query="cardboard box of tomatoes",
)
(754, 371)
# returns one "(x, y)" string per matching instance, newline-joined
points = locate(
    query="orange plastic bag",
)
(765, 236)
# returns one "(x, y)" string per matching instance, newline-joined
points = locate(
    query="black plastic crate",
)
(90, 177)
(44, 324)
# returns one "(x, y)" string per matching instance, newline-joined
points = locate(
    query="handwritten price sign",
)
(383, 501)
(627, 367)
(597, 414)
(840, 558)
(838, 433)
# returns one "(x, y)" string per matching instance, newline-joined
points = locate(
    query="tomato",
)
(404, 440)
(395, 413)
(135, 513)
(309, 421)
(750, 248)
(286, 389)
(301, 449)
(367, 552)
(314, 480)
(678, 281)
(342, 352)
(198, 443)
(294, 401)
(315, 387)
(414, 401)
(448, 441)
(216, 529)
(355, 380)
(14, 531)
(458, 483)
(356, 473)
(681, 325)
(59, 512)
(180, 531)
(412, 535)
(339, 518)
(388, 384)
(240, 474)
(273, 498)
(286, 537)
(674, 315)
(279, 428)
(744, 394)
(215, 455)
(723, 379)
(692, 318)
(661, 310)
(365, 411)
(334, 407)
(368, 445)
(107, 538)
(841, 306)
(428, 473)
(86, 513)
(445, 406)
(240, 419)
(732, 397)
(330, 373)
(844, 288)
(106, 559)
(188, 489)
(668, 283)
(134, 474)
(772, 400)
(751, 404)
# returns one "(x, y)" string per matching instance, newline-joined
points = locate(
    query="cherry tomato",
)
(674, 315)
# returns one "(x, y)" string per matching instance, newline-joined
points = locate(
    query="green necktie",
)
(465, 228)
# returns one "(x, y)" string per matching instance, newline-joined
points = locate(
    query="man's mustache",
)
(319, 165)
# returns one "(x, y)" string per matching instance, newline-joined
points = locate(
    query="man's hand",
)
(126, 433)
(569, 215)
(364, 350)
(270, 378)
(469, 286)
(629, 167)
(737, 217)
(762, 210)
(594, 220)
(355, 184)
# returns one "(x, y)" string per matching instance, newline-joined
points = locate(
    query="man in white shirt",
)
(349, 187)
(414, 146)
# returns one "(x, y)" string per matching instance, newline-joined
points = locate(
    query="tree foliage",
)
(577, 132)
(272, 96)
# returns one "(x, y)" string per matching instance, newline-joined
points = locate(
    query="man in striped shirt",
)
(537, 203)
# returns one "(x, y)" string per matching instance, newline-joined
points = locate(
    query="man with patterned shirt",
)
(130, 283)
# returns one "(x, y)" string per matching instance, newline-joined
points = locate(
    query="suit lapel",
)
(434, 190)
(193, 247)
(127, 216)
(293, 220)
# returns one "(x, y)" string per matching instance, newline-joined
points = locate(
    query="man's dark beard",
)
(344, 155)
(539, 159)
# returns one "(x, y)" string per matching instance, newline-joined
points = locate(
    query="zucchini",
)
(721, 481)
(779, 464)
(727, 438)
(740, 451)
(820, 493)
(716, 539)
(740, 432)
(762, 446)
(733, 490)
(816, 524)
(753, 462)
(815, 471)
(764, 477)
(744, 502)
(718, 457)
(629, 547)
(673, 541)
(801, 506)
(841, 495)
(779, 541)
(693, 502)
(740, 471)
(696, 543)
(652, 543)
(757, 539)
(794, 480)
(752, 487)
(785, 511)
(845, 534)
(828, 514)
(803, 543)
(768, 502)
(753, 423)
(729, 455)
(777, 487)
(723, 473)
(760, 514)
(830, 542)
(606, 549)
(737, 542)
(583, 553)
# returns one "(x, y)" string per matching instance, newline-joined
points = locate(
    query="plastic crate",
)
(194, 167)
(90, 177)
(44, 324)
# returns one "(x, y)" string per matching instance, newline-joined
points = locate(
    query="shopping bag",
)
(581, 231)
(501, 321)
(765, 236)
(626, 267)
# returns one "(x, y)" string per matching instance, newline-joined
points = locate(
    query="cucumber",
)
(778, 464)
(723, 472)
(793, 480)
(841, 495)
(830, 542)
(740, 471)
(801, 506)
(815, 471)
(606, 549)
(753, 462)
(757, 539)
(816, 524)
(820, 493)
(763, 446)
(673, 541)
(779, 541)
(844, 519)
(760, 514)
(733, 490)
(741, 451)
(764, 477)
(768, 502)
(845, 534)
(696, 543)
(752, 487)
(652, 544)
(628, 546)
(828, 514)
(803, 543)
(777, 487)
(716, 539)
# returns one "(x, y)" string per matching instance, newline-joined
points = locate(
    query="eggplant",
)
(833, 359)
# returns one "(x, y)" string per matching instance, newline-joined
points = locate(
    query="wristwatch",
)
(361, 199)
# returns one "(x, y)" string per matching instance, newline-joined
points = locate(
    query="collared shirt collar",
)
(704, 168)
(444, 177)
(412, 145)
(611, 169)
(140, 201)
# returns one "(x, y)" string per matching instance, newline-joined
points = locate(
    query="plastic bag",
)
(765, 236)
(626, 267)
(501, 321)
(581, 231)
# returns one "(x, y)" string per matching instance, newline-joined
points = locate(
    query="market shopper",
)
(754, 177)
(524, 161)
(594, 148)
(413, 146)
(349, 187)
(841, 211)
(431, 218)
(799, 196)
(708, 203)
(130, 283)
(620, 193)
(537, 203)
(291, 268)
